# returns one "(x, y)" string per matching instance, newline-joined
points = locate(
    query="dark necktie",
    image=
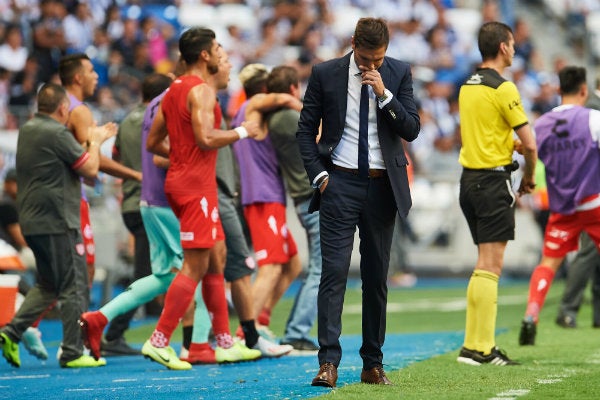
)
(363, 131)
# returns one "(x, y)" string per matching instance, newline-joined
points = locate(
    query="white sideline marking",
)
(112, 388)
(4, 378)
(514, 392)
(127, 380)
(510, 394)
(442, 305)
(548, 381)
(175, 378)
(594, 358)
(109, 389)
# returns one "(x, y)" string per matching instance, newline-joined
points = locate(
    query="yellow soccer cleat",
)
(165, 356)
(85, 362)
(236, 353)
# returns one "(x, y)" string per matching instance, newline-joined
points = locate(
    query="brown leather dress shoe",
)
(327, 376)
(374, 376)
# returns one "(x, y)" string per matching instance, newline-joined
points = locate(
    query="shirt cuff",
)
(388, 98)
(80, 161)
(315, 182)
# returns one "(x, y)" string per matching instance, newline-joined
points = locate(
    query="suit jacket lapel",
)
(340, 75)
(386, 74)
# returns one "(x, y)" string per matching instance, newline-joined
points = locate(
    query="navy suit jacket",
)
(326, 100)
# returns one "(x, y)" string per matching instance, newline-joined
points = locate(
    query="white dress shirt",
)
(346, 152)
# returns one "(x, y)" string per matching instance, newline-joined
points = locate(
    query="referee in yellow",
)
(490, 110)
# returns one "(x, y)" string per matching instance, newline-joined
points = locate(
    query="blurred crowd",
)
(128, 39)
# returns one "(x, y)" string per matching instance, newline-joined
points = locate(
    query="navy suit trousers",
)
(350, 201)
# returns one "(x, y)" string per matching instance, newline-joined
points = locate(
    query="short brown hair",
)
(491, 34)
(371, 33)
(281, 78)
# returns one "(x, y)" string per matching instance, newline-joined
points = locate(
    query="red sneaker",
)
(200, 353)
(92, 325)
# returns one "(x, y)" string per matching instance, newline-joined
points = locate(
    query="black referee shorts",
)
(488, 203)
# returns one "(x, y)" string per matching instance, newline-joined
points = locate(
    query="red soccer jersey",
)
(191, 169)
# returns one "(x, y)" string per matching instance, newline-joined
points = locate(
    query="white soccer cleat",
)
(270, 349)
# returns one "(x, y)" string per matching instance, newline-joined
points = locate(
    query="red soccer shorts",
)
(200, 225)
(562, 231)
(272, 242)
(87, 233)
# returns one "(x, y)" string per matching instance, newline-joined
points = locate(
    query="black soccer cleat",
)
(476, 358)
(528, 332)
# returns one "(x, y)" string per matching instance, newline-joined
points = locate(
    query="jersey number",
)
(153, 109)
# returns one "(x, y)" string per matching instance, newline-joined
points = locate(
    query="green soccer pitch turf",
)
(564, 363)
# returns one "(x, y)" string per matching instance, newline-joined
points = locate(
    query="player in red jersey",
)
(190, 115)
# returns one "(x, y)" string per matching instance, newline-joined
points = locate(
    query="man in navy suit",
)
(358, 167)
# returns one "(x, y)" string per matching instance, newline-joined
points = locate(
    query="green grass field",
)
(564, 363)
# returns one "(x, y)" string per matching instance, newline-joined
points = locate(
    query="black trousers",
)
(585, 267)
(141, 263)
(62, 277)
(348, 202)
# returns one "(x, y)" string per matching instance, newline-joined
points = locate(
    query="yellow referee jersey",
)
(490, 108)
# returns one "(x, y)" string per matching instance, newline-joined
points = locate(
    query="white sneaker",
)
(32, 339)
(270, 349)
(266, 333)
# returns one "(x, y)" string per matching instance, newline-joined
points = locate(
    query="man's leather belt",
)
(373, 173)
(504, 168)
